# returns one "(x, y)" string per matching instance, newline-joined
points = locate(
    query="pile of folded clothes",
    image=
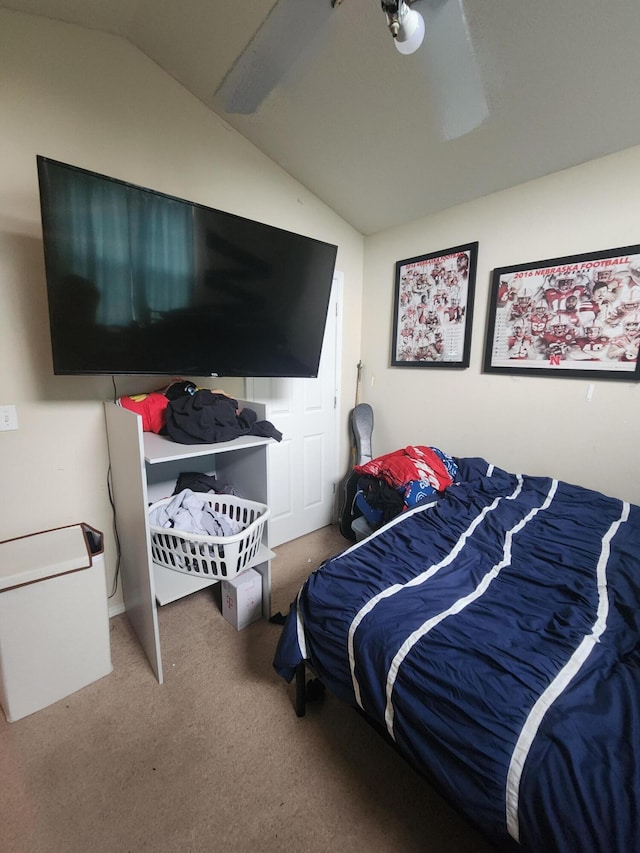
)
(191, 415)
(152, 406)
(390, 484)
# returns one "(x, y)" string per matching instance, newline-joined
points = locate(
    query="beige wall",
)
(522, 423)
(94, 101)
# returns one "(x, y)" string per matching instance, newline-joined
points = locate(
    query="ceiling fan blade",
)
(284, 34)
(451, 69)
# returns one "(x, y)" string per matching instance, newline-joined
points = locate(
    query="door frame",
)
(337, 300)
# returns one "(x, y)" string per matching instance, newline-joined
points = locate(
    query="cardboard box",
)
(242, 598)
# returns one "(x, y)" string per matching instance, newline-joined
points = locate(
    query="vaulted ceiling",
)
(353, 120)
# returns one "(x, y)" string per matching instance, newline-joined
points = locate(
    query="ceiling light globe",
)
(410, 33)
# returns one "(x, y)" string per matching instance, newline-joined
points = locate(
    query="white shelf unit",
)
(144, 469)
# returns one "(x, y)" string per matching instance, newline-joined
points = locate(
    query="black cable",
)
(113, 508)
(115, 534)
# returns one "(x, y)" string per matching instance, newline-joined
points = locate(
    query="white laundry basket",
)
(211, 557)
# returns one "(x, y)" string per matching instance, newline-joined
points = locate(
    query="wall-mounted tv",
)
(140, 282)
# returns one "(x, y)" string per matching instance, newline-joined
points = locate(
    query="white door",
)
(303, 467)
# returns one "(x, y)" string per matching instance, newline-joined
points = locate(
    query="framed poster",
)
(572, 316)
(433, 308)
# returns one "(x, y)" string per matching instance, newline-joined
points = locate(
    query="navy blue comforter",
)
(495, 634)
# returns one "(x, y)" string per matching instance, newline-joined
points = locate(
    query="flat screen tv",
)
(140, 282)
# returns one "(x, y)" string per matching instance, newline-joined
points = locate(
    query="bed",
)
(493, 633)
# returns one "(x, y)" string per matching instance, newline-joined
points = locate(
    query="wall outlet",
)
(8, 418)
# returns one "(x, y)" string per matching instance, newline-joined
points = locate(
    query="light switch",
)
(8, 418)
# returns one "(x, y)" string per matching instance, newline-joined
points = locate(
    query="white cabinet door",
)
(303, 468)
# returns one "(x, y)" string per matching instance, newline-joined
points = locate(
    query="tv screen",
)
(141, 282)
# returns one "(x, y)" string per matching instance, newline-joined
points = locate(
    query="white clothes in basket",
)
(190, 512)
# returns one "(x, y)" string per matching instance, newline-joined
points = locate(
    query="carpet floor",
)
(214, 759)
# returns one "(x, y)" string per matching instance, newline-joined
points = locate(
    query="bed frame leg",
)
(301, 691)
